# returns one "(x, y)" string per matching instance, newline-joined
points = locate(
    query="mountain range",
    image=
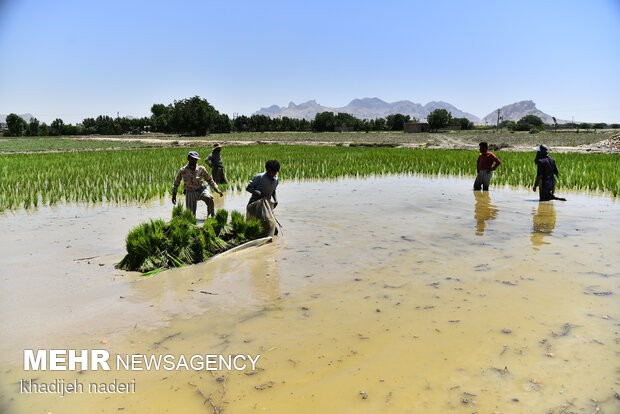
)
(370, 108)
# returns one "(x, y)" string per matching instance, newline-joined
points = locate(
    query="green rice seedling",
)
(221, 216)
(238, 224)
(124, 176)
(143, 241)
(253, 229)
(177, 211)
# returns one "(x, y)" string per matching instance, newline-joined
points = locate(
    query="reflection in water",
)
(484, 211)
(265, 279)
(544, 222)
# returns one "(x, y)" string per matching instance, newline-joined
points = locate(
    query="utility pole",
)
(497, 126)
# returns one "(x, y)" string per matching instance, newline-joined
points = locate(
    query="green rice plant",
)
(237, 222)
(253, 229)
(124, 176)
(221, 216)
(142, 242)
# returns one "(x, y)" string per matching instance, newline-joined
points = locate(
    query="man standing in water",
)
(486, 164)
(192, 176)
(214, 160)
(545, 174)
(263, 187)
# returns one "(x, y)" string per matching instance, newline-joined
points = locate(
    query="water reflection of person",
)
(265, 279)
(544, 223)
(484, 211)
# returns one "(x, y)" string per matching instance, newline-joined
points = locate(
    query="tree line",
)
(196, 117)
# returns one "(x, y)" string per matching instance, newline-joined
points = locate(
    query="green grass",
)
(28, 180)
(66, 144)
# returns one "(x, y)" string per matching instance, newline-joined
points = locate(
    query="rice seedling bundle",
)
(157, 245)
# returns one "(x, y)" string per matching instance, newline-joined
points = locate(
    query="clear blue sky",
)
(77, 59)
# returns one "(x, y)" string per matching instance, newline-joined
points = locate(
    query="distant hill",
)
(25, 117)
(366, 108)
(518, 110)
(306, 110)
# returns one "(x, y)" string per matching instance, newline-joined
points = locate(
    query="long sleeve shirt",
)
(192, 179)
(486, 161)
(546, 168)
(214, 160)
(263, 183)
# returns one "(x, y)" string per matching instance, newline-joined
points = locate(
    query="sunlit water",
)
(393, 294)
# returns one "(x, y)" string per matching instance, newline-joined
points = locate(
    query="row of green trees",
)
(534, 123)
(196, 117)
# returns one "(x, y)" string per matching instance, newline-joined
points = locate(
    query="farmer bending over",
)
(192, 176)
(486, 164)
(263, 188)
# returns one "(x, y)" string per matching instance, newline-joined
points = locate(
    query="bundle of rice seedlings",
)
(143, 241)
(220, 222)
(237, 222)
(156, 245)
(198, 247)
(253, 229)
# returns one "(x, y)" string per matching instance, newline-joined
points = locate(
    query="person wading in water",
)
(546, 171)
(214, 161)
(486, 164)
(192, 176)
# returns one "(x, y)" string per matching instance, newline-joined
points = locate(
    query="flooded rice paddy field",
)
(391, 294)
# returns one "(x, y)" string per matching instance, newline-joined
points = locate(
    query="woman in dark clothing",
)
(545, 174)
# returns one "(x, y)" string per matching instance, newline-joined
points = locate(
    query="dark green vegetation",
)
(139, 175)
(157, 245)
(196, 117)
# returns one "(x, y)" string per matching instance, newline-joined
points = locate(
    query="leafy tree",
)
(90, 125)
(242, 124)
(342, 119)
(439, 118)
(194, 116)
(528, 122)
(57, 127)
(160, 120)
(396, 122)
(222, 124)
(464, 123)
(33, 127)
(508, 124)
(600, 125)
(44, 130)
(16, 125)
(324, 121)
(380, 124)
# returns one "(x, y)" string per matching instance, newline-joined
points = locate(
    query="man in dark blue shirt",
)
(263, 188)
(264, 185)
(546, 171)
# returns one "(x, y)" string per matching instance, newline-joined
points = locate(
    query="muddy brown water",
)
(388, 294)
